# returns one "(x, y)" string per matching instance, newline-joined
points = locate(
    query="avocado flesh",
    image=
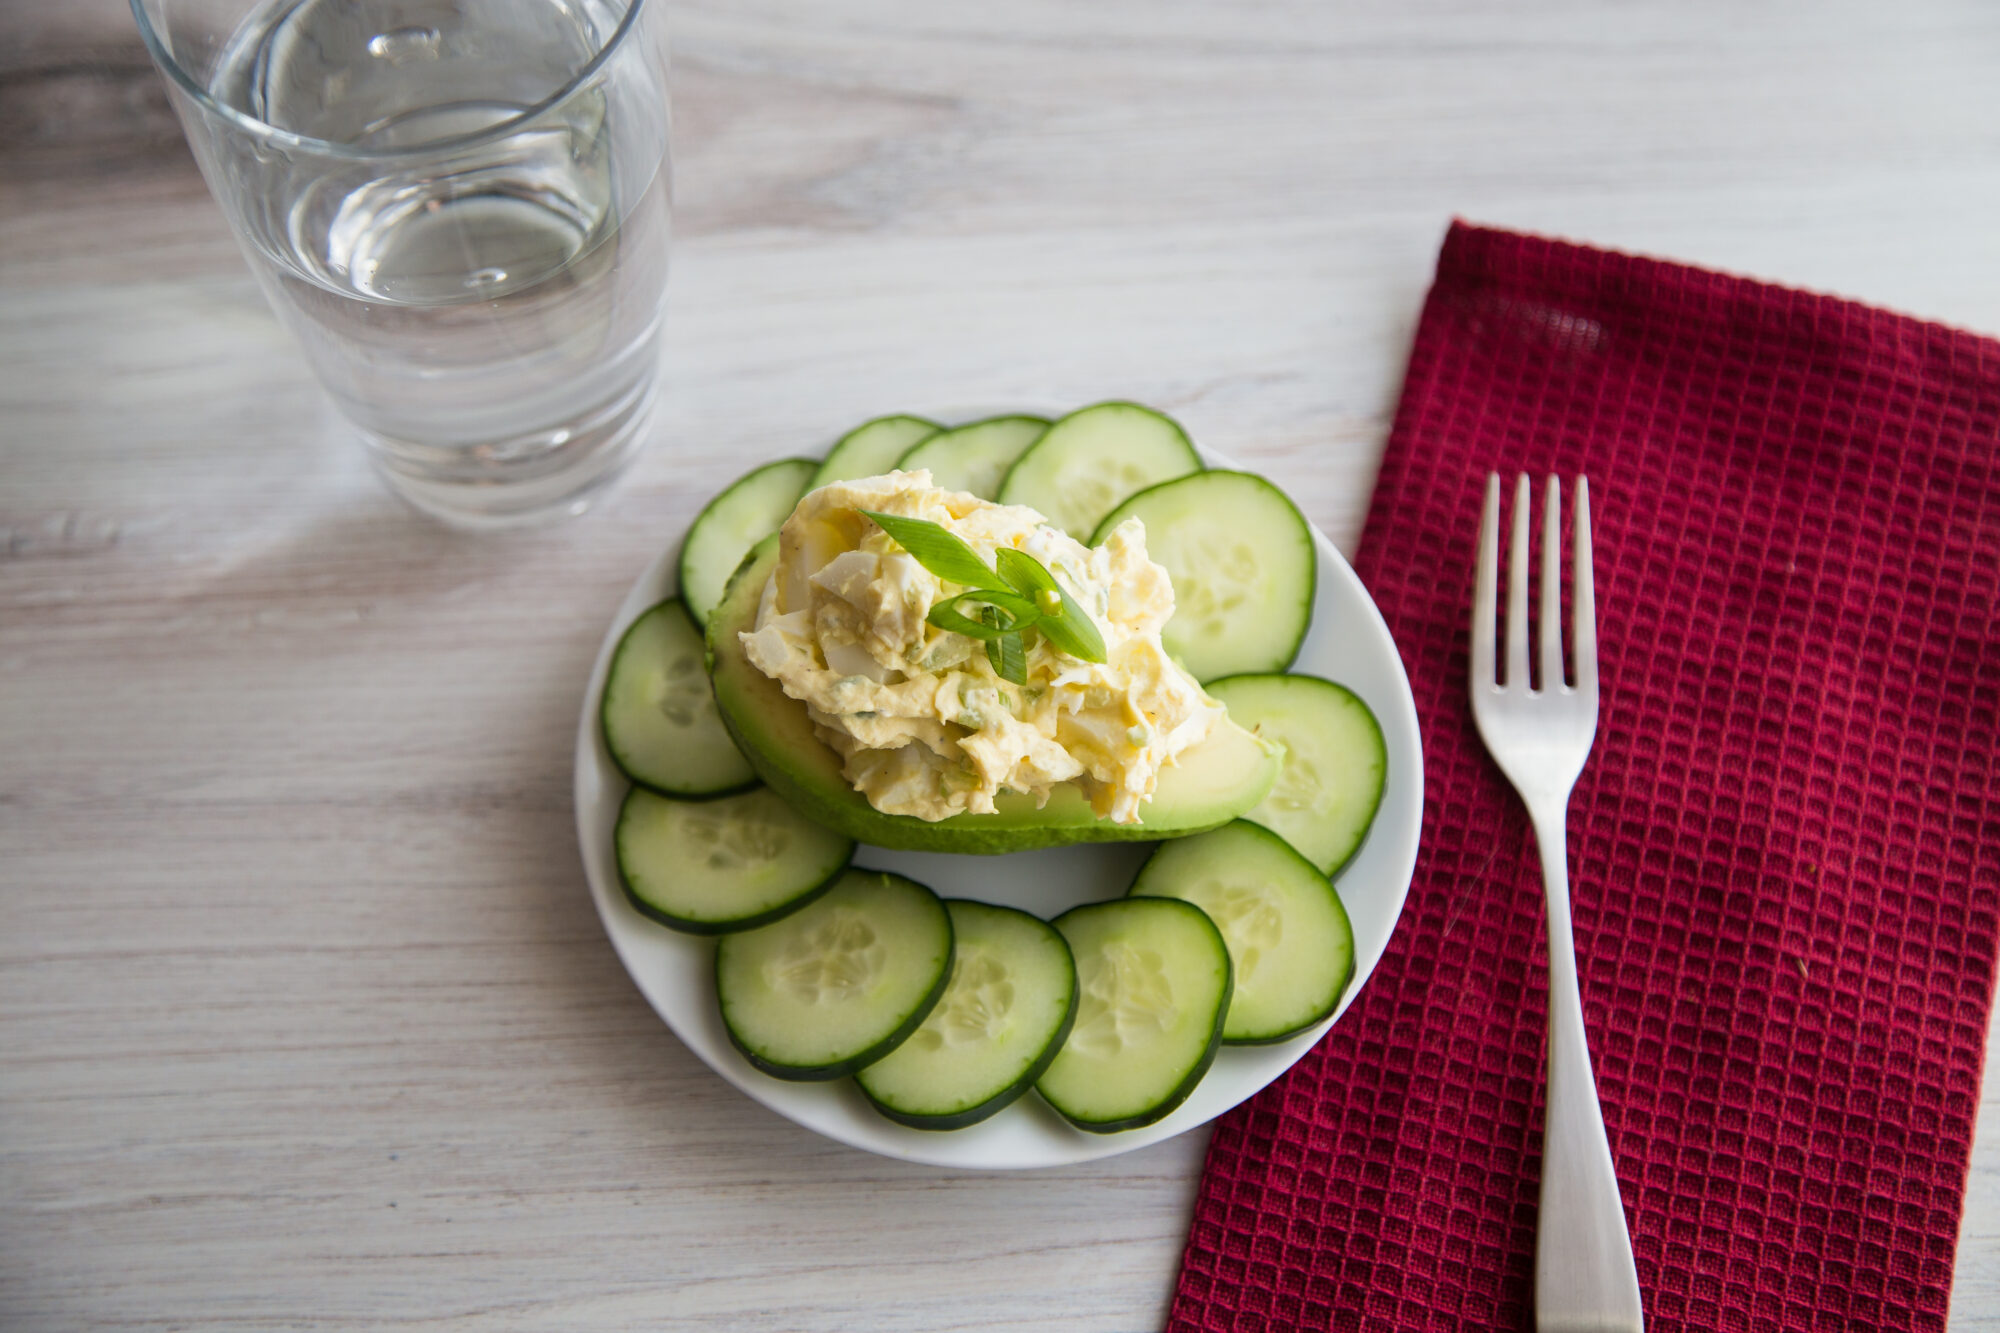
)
(1209, 785)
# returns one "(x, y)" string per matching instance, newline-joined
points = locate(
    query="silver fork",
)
(1584, 1275)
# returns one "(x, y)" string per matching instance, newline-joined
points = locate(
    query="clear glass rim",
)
(263, 130)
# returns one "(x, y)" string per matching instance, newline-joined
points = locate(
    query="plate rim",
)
(1246, 1070)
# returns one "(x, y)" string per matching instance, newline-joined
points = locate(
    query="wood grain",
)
(308, 1019)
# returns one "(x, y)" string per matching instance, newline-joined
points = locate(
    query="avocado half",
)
(1209, 785)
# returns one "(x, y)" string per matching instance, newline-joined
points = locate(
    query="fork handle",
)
(1585, 1278)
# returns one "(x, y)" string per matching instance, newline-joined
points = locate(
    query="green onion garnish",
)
(998, 607)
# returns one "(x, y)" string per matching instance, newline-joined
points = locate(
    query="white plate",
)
(1348, 643)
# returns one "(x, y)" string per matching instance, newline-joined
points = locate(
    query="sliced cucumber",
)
(1089, 461)
(1154, 982)
(707, 867)
(839, 983)
(1243, 565)
(871, 449)
(975, 457)
(749, 509)
(658, 710)
(1291, 949)
(1003, 1017)
(1335, 762)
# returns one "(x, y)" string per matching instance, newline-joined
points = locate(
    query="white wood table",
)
(307, 1015)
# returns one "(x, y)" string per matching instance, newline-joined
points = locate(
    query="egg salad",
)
(924, 722)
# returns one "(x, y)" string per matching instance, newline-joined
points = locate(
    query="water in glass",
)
(486, 307)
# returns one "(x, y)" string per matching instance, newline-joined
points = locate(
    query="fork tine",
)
(1485, 575)
(1517, 592)
(1583, 599)
(1550, 638)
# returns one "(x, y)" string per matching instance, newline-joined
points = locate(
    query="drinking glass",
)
(461, 210)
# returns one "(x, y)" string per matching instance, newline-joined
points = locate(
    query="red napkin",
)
(1785, 849)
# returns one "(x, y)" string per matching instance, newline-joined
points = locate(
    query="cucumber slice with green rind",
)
(732, 863)
(839, 983)
(1243, 565)
(975, 457)
(1154, 983)
(658, 710)
(748, 510)
(1336, 761)
(1009, 1004)
(1208, 785)
(871, 449)
(1291, 948)
(1092, 459)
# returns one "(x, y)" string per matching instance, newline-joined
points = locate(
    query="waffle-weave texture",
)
(1785, 849)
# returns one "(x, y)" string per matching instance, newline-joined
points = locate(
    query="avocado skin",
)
(776, 735)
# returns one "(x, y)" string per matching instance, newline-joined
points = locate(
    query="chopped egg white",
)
(925, 725)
